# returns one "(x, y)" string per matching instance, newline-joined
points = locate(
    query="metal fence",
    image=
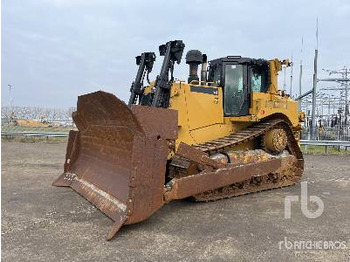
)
(324, 143)
(34, 131)
(328, 133)
(34, 134)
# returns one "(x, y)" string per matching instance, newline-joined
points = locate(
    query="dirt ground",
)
(43, 223)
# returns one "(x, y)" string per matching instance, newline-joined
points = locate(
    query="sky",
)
(54, 50)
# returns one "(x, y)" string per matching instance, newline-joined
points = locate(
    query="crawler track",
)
(289, 173)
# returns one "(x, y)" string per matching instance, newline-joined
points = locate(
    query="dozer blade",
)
(117, 158)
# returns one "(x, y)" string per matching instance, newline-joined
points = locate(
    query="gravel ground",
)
(43, 223)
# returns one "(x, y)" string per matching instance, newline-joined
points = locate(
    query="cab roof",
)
(239, 60)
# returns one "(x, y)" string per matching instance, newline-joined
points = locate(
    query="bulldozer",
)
(226, 131)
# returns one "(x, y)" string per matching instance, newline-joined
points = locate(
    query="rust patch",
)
(148, 117)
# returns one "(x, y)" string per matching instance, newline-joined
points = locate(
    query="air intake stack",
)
(193, 59)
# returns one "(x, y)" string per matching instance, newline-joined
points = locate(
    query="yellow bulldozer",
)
(228, 132)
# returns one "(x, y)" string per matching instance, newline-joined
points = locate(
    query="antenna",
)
(291, 76)
(284, 77)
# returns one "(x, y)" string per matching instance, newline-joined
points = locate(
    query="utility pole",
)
(10, 95)
(11, 102)
(301, 71)
(346, 96)
(314, 89)
(307, 112)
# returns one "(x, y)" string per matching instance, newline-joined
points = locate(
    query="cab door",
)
(236, 93)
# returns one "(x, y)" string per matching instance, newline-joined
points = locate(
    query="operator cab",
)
(239, 77)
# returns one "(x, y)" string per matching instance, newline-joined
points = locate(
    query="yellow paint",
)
(266, 104)
(275, 65)
(201, 117)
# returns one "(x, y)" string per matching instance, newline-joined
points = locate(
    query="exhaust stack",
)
(193, 59)
(204, 69)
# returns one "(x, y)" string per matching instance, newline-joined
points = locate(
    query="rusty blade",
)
(117, 159)
(107, 203)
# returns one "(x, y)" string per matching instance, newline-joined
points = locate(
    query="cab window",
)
(214, 76)
(256, 82)
(233, 89)
(257, 79)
